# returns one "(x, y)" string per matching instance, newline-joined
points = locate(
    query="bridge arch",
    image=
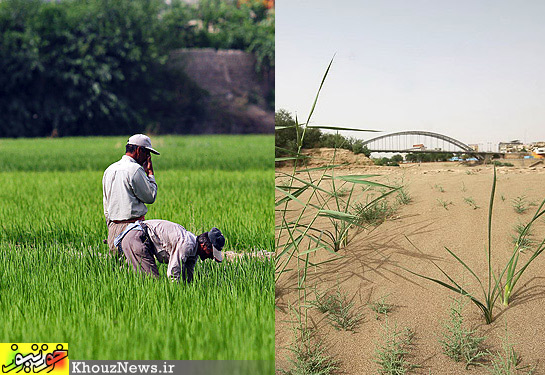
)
(442, 137)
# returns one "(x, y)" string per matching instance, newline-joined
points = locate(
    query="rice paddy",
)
(56, 286)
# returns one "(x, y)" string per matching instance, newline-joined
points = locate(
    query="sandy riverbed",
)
(370, 268)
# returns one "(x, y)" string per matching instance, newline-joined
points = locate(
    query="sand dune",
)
(438, 216)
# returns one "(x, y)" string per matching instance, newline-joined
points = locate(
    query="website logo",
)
(46, 357)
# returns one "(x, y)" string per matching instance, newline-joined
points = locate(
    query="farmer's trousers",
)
(138, 250)
(114, 230)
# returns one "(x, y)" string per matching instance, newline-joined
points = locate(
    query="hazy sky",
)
(473, 70)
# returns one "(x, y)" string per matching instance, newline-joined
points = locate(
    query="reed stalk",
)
(498, 286)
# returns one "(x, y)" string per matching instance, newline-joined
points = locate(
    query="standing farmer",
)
(170, 243)
(127, 185)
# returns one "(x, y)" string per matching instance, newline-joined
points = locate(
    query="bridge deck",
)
(439, 151)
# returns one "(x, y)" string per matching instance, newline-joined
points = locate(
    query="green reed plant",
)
(496, 287)
(346, 215)
(305, 197)
(512, 274)
(307, 194)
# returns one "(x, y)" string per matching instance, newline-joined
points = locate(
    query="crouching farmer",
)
(143, 241)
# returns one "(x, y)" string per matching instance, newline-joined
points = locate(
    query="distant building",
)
(536, 144)
(420, 147)
(538, 149)
(513, 146)
(474, 147)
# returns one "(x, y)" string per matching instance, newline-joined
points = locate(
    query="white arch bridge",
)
(423, 141)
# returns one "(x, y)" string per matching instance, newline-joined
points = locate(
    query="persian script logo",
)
(49, 358)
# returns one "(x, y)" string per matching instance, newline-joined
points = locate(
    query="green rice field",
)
(56, 284)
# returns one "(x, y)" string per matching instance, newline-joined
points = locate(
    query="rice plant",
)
(470, 201)
(439, 188)
(107, 312)
(495, 282)
(459, 342)
(189, 152)
(391, 354)
(55, 282)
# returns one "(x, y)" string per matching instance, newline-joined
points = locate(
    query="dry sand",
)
(369, 268)
(325, 155)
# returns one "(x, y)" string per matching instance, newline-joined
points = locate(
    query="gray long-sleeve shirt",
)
(126, 188)
(175, 245)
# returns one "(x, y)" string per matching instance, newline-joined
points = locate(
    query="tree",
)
(286, 140)
(83, 67)
(397, 158)
(335, 140)
(99, 66)
(359, 148)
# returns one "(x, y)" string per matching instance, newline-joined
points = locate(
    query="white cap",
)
(216, 238)
(142, 141)
(218, 255)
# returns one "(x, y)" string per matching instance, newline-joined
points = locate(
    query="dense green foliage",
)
(221, 24)
(286, 137)
(51, 240)
(392, 162)
(98, 67)
(428, 156)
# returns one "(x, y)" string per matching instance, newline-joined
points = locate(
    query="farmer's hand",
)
(148, 167)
